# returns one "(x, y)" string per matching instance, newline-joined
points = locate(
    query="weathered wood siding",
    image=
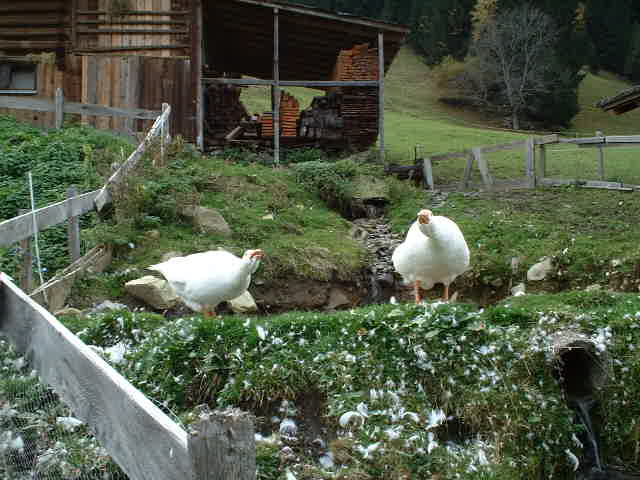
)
(149, 27)
(31, 26)
(138, 82)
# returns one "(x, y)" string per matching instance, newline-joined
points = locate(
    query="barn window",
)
(17, 77)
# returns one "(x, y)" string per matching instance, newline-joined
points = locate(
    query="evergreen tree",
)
(610, 28)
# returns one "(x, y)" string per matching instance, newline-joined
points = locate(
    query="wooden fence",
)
(60, 107)
(141, 439)
(535, 165)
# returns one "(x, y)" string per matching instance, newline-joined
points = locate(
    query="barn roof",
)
(622, 102)
(238, 37)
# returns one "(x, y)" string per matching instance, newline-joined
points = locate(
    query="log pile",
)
(223, 112)
(289, 115)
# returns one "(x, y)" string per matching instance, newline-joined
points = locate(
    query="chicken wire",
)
(39, 436)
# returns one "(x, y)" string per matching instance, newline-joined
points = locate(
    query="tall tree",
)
(514, 54)
(610, 27)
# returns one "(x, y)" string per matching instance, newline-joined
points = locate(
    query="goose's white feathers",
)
(209, 278)
(434, 251)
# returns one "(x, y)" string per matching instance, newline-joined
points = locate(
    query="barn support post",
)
(196, 70)
(59, 104)
(381, 95)
(276, 87)
(26, 270)
(222, 446)
(73, 226)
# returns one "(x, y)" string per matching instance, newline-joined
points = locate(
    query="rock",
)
(518, 290)
(515, 264)
(616, 262)
(593, 288)
(154, 291)
(268, 217)
(68, 312)
(540, 270)
(337, 299)
(169, 256)
(108, 305)
(243, 304)
(209, 220)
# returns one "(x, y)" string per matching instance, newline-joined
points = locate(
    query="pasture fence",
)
(64, 411)
(534, 167)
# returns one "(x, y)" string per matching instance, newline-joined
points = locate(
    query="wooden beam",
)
(142, 440)
(330, 16)
(276, 87)
(381, 96)
(137, 12)
(600, 159)
(292, 83)
(466, 179)
(557, 182)
(130, 48)
(131, 31)
(44, 105)
(59, 108)
(449, 156)
(131, 22)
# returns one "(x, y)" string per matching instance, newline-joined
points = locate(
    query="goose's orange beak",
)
(424, 216)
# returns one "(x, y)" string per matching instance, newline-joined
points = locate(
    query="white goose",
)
(434, 251)
(203, 280)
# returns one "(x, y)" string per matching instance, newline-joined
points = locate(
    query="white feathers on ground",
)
(288, 428)
(436, 418)
(351, 417)
(434, 251)
(367, 451)
(69, 423)
(290, 476)
(203, 280)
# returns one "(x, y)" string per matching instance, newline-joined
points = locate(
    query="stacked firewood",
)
(223, 112)
(359, 107)
(289, 115)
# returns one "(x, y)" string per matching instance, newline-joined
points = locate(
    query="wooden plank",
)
(503, 146)
(583, 141)
(136, 12)
(483, 166)
(530, 165)
(381, 96)
(133, 31)
(137, 434)
(222, 446)
(555, 182)
(428, 172)
(21, 227)
(546, 139)
(622, 139)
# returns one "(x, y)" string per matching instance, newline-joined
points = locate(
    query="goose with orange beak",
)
(434, 251)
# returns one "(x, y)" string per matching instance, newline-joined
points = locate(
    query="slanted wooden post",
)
(222, 446)
(530, 168)
(600, 157)
(467, 171)
(487, 179)
(73, 226)
(59, 103)
(381, 95)
(276, 86)
(164, 128)
(26, 272)
(428, 172)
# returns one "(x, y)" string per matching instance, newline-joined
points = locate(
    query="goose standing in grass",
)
(434, 251)
(203, 280)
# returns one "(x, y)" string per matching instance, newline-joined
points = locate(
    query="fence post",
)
(26, 272)
(466, 179)
(222, 446)
(530, 166)
(487, 179)
(428, 172)
(59, 103)
(73, 226)
(542, 161)
(600, 157)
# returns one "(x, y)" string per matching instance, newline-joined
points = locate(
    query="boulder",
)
(540, 270)
(209, 220)
(243, 304)
(518, 290)
(154, 291)
(337, 299)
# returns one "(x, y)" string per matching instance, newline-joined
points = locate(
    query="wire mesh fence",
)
(39, 436)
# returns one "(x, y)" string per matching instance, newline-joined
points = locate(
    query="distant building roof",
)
(622, 102)
(238, 38)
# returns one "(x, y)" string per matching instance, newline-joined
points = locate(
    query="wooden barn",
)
(196, 55)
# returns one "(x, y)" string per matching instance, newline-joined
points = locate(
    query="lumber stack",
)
(223, 112)
(289, 115)
(359, 63)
